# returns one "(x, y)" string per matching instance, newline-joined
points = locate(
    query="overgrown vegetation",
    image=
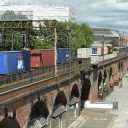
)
(70, 34)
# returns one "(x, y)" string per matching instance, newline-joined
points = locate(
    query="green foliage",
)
(77, 70)
(10, 16)
(12, 41)
(114, 43)
(74, 35)
(39, 44)
(69, 34)
(12, 38)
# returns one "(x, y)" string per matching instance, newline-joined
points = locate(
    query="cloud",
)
(97, 13)
(108, 13)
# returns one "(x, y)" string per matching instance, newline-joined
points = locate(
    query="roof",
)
(37, 12)
(73, 100)
(58, 110)
(105, 32)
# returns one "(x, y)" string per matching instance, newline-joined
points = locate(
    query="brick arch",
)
(99, 78)
(78, 84)
(120, 65)
(110, 72)
(60, 98)
(39, 110)
(105, 75)
(75, 90)
(43, 106)
(9, 122)
(85, 90)
(51, 97)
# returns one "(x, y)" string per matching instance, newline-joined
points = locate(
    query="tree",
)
(114, 42)
(12, 38)
(81, 35)
(70, 34)
(12, 16)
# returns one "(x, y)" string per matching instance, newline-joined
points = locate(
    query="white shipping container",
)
(96, 59)
(105, 50)
(111, 55)
(99, 50)
(83, 53)
(107, 56)
(115, 54)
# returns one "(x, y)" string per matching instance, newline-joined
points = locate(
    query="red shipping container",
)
(42, 58)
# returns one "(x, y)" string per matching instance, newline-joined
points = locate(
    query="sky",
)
(97, 13)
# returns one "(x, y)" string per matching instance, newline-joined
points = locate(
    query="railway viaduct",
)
(41, 99)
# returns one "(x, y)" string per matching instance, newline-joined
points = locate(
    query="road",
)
(96, 119)
(102, 118)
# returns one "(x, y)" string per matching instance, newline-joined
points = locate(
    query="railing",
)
(29, 75)
(41, 73)
(99, 58)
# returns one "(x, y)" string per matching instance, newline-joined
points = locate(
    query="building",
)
(37, 12)
(105, 35)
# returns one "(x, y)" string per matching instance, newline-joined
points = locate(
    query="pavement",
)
(121, 95)
(107, 118)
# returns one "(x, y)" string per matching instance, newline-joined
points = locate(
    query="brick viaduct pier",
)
(41, 99)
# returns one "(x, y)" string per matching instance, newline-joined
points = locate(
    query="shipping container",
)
(99, 50)
(106, 57)
(63, 55)
(105, 50)
(83, 53)
(26, 58)
(11, 62)
(115, 53)
(42, 58)
(96, 59)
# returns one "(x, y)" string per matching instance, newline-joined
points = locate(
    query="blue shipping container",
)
(11, 62)
(26, 58)
(63, 55)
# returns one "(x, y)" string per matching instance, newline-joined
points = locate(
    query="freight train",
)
(12, 62)
(20, 61)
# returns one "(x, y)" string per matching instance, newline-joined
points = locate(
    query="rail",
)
(41, 73)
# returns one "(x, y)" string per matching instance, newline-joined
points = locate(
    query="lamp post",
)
(55, 50)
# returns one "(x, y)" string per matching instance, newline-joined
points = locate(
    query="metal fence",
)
(41, 73)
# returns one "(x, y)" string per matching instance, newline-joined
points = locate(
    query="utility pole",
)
(103, 49)
(55, 50)
(12, 40)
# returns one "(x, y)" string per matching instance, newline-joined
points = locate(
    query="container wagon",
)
(26, 58)
(83, 53)
(13, 62)
(99, 50)
(63, 55)
(42, 58)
